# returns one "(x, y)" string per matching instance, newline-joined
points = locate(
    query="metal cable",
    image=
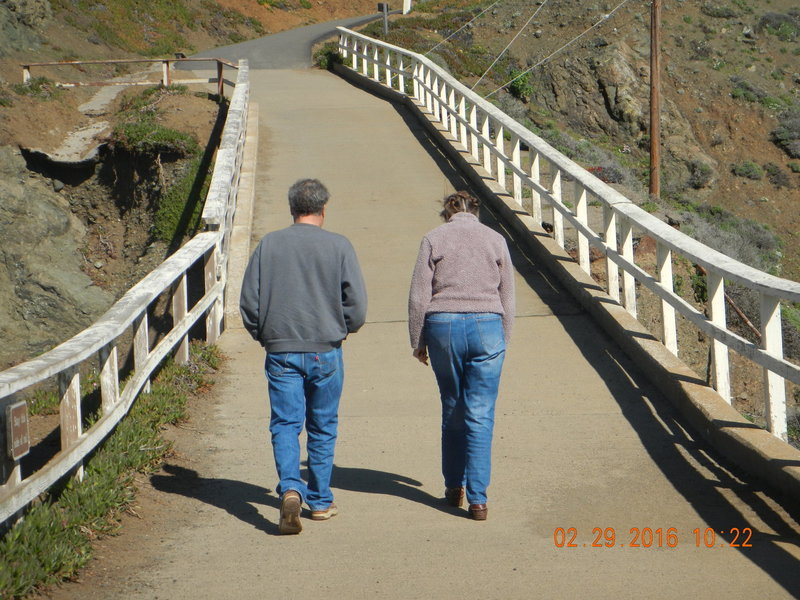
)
(572, 41)
(462, 27)
(536, 12)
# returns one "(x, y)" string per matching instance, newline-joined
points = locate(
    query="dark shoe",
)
(478, 511)
(325, 514)
(454, 496)
(289, 522)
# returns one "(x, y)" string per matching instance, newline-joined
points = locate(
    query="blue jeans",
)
(305, 386)
(466, 352)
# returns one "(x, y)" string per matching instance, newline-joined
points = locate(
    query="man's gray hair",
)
(307, 197)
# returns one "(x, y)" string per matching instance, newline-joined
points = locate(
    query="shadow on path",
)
(241, 500)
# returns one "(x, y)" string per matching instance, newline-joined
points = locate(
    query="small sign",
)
(383, 7)
(17, 436)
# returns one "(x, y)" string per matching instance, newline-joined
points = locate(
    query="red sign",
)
(19, 440)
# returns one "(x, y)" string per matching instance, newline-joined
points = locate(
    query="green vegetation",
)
(787, 134)
(718, 12)
(38, 87)
(520, 87)
(748, 169)
(179, 205)
(305, 4)
(327, 55)
(53, 541)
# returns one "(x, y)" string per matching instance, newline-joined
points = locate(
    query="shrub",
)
(521, 86)
(787, 134)
(748, 169)
(776, 175)
(785, 27)
(718, 12)
(794, 167)
(38, 87)
(327, 56)
(700, 174)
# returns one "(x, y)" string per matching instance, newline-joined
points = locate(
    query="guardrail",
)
(167, 78)
(499, 144)
(126, 325)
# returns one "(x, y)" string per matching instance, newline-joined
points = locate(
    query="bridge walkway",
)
(582, 440)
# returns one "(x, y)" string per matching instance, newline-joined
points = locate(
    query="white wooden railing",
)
(127, 323)
(499, 144)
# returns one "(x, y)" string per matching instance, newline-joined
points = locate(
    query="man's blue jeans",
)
(305, 386)
(466, 352)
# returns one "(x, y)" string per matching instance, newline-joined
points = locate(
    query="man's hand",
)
(421, 354)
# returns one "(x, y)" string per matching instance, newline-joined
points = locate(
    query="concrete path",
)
(581, 440)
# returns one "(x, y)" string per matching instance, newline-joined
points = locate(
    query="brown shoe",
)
(454, 496)
(289, 522)
(478, 511)
(325, 514)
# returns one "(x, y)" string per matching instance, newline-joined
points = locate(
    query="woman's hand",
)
(421, 354)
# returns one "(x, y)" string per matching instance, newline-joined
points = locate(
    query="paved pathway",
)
(582, 441)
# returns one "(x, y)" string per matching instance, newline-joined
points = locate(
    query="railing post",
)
(499, 146)
(774, 387)
(474, 145)
(365, 59)
(26, 73)
(109, 377)
(487, 153)
(558, 218)
(582, 215)
(355, 54)
(628, 282)
(610, 237)
(343, 45)
(69, 388)
(387, 61)
(401, 78)
(536, 199)
(715, 285)
(220, 80)
(141, 346)
(376, 71)
(179, 310)
(516, 181)
(452, 112)
(428, 89)
(165, 73)
(664, 273)
(462, 125)
(212, 318)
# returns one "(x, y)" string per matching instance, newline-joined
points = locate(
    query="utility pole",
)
(655, 98)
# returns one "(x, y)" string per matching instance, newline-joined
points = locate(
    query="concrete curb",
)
(745, 444)
(242, 221)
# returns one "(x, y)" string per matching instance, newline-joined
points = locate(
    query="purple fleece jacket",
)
(462, 267)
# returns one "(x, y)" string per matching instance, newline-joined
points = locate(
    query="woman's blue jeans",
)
(466, 352)
(305, 386)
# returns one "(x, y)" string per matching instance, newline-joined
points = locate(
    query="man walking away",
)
(302, 294)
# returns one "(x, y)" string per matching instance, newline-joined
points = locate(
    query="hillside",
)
(730, 87)
(75, 239)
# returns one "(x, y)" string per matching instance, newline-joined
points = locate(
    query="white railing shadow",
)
(125, 327)
(517, 160)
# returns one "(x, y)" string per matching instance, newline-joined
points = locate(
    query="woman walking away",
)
(460, 312)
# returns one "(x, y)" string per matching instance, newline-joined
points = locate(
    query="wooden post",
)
(69, 387)
(774, 386)
(655, 99)
(179, 310)
(220, 80)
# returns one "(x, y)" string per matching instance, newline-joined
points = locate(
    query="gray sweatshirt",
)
(462, 267)
(303, 290)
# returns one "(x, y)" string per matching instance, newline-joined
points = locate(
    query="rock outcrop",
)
(45, 297)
